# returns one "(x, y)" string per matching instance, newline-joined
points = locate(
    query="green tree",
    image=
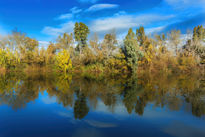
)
(81, 32)
(131, 50)
(80, 108)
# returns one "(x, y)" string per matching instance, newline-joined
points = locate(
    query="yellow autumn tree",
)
(149, 54)
(8, 59)
(63, 61)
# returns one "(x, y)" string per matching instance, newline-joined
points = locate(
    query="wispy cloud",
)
(155, 20)
(120, 22)
(48, 100)
(126, 21)
(44, 44)
(67, 26)
(155, 29)
(98, 7)
(99, 124)
(69, 21)
(120, 13)
(75, 10)
(55, 31)
(70, 15)
(65, 16)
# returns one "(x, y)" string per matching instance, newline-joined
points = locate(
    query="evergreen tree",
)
(131, 50)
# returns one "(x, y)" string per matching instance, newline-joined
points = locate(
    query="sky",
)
(46, 19)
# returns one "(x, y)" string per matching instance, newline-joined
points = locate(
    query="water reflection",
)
(175, 93)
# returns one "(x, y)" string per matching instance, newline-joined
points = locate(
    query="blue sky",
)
(46, 19)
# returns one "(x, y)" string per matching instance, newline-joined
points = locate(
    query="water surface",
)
(58, 106)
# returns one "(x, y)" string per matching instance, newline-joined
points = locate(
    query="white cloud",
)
(67, 26)
(65, 16)
(74, 11)
(120, 13)
(43, 44)
(99, 124)
(69, 23)
(155, 29)
(126, 21)
(49, 100)
(55, 31)
(119, 22)
(98, 7)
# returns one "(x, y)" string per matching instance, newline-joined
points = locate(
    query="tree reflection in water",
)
(172, 92)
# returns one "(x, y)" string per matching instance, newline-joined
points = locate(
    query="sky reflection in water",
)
(48, 106)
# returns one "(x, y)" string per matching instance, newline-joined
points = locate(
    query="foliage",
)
(174, 39)
(109, 45)
(199, 33)
(141, 37)
(81, 32)
(108, 56)
(117, 64)
(63, 61)
(8, 60)
(131, 50)
(66, 41)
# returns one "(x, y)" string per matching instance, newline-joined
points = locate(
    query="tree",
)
(174, 39)
(65, 41)
(81, 32)
(80, 108)
(117, 64)
(50, 53)
(195, 45)
(96, 47)
(30, 44)
(109, 44)
(131, 50)
(161, 42)
(16, 40)
(8, 59)
(3, 42)
(27, 50)
(141, 37)
(199, 33)
(64, 62)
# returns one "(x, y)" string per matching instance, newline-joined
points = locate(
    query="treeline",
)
(75, 53)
